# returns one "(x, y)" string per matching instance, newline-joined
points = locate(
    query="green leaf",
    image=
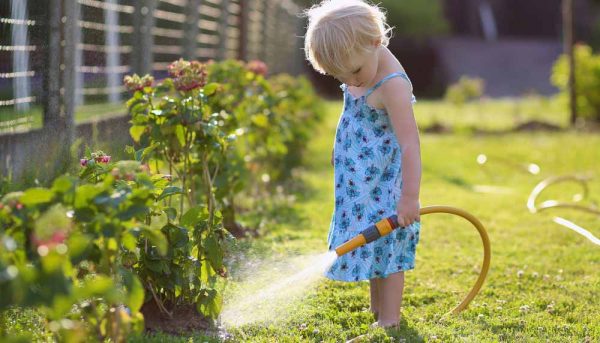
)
(171, 190)
(129, 241)
(191, 217)
(136, 132)
(213, 252)
(260, 120)
(179, 132)
(35, 196)
(170, 212)
(77, 244)
(210, 88)
(148, 150)
(156, 238)
(63, 184)
(210, 303)
(97, 285)
(135, 291)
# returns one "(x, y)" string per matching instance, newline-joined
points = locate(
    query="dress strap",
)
(389, 76)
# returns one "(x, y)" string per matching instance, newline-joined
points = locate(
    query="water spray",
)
(387, 225)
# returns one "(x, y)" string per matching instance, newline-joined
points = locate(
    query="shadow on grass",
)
(401, 333)
(404, 331)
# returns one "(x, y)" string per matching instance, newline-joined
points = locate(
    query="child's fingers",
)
(403, 221)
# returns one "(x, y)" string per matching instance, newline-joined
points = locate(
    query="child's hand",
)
(408, 211)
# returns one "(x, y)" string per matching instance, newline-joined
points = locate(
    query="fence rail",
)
(70, 52)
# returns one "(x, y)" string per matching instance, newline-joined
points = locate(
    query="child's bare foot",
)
(385, 325)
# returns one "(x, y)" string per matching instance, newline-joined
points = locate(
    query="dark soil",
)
(185, 320)
(240, 231)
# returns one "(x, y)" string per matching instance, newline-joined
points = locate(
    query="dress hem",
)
(365, 278)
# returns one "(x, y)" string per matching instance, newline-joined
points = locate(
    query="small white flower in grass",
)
(433, 337)
(480, 316)
(546, 277)
(558, 278)
(524, 309)
(302, 326)
(316, 331)
(520, 273)
(499, 308)
(535, 275)
(266, 178)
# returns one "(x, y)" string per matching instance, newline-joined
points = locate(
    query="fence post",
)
(243, 27)
(71, 10)
(51, 97)
(143, 39)
(223, 25)
(265, 32)
(299, 61)
(191, 29)
(567, 13)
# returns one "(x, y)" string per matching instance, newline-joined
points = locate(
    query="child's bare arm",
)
(397, 96)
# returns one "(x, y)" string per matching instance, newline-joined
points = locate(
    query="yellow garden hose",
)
(387, 225)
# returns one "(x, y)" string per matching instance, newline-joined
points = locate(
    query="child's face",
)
(363, 69)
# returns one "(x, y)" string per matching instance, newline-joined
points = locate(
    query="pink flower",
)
(188, 75)
(57, 238)
(257, 67)
(102, 159)
(176, 68)
(83, 162)
(135, 83)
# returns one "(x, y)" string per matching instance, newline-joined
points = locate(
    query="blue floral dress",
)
(368, 184)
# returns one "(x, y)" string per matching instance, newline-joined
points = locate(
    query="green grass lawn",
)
(544, 279)
(493, 114)
(32, 119)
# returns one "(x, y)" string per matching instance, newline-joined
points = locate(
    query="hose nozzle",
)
(381, 228)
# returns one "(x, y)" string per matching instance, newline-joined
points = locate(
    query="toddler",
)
(376, 154)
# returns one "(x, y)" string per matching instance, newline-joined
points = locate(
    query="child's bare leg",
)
(390, 293)
(374, 287)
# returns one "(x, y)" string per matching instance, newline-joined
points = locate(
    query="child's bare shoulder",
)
(395, 88)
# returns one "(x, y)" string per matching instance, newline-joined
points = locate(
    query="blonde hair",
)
(338, 29)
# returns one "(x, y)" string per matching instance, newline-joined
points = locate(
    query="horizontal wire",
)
(29, 73)
(102, 70)
(10, 102)
(17, 21)
(104, 5)
(168, 49)
(180, 3)
(100, 90)
(18, 47)
(103, 27)
(103, 48)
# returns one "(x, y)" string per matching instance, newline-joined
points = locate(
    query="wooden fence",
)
(56, 55)
(59, 54)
